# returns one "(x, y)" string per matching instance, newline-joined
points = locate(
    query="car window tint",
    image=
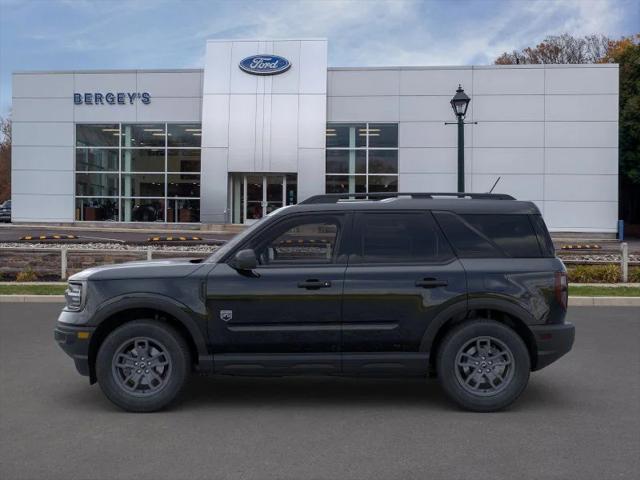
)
(399, 237)
(466, 240)
(310, 241)
(514, 234)
(544, 239)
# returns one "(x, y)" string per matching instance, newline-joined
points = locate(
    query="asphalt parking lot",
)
(579, 418)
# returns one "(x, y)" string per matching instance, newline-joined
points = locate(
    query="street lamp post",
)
(460, 103)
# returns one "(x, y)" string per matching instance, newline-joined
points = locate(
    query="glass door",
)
(253, 196)
(274, 193)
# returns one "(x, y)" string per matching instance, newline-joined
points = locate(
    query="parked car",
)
(465, 287)
(5, 211)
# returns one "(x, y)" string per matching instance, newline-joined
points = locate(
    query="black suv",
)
(463, 286)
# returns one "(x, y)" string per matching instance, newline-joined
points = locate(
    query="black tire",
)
(126, 384)
(497, 385)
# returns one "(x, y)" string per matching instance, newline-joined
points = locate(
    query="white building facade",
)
(268, 123)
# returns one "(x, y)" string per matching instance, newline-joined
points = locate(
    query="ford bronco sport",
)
(463, 286)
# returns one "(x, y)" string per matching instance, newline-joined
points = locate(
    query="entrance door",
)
(254, 196)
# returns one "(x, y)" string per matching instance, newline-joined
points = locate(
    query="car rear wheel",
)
(143, 365)
(483, 365)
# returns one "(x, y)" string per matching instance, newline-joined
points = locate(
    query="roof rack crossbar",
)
(336, 197)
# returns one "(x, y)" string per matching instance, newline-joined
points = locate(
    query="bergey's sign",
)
(110, 98)
(265, 64)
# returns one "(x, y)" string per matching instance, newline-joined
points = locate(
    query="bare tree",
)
(563, 48)
(5, 159)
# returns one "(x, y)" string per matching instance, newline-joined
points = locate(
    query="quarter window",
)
(399, 238)
(514, 234)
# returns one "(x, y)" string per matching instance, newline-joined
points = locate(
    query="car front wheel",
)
(483, 365)
(143, 365)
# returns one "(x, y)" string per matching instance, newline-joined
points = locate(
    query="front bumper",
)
(75, 342)
(553, 341)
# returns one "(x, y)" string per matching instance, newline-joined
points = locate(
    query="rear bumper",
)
(553, 341)
(75, 345)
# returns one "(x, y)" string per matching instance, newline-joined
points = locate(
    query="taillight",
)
(562, 289)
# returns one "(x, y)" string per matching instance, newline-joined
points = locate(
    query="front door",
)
(285, 314)
(401, 274)
(253, 196)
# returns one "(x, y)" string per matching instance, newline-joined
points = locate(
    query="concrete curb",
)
(573, 301)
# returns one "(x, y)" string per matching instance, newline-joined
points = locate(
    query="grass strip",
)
(18, 289)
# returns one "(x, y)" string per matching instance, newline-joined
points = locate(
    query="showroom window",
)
(361, 157)
(142, 172)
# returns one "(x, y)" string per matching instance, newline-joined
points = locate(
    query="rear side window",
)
(514, 234)
(544, 239)
(466, 240)
(399, 238)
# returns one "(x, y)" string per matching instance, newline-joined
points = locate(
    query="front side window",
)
(138, 172)
(301, 241)
(361, 157)
(399, 238)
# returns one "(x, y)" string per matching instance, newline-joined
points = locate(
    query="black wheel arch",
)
(121, 310)
(495, 308)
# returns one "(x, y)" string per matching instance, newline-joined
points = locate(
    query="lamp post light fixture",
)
(459, 104)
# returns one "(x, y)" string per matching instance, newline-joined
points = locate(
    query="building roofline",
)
(102, 71)
(480, 67)
(226, 40)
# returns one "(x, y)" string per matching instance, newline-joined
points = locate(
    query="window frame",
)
(270, 232)
(120, 148)
(366, 148)
(356, 233)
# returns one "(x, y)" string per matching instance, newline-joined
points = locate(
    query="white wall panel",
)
(42, 134)
(508, 108)
(505, 134)
(313, 67)
(217, 77)
(593, 79)
(581, 108)
(435, 81)
(106, 82)
(42, 158)
(170, 84)
(581, 134)
(105, 113)
(596, 161)
(354, 109)
(508, 160)
(38, 182)
(428, 109)
(431, 134)
(430, 160)
(213, 198)
(42, 110)
(241, 82)
(215, 118)
(368, 83)
(28, 208)
(287, 82)
(177, 109)
(311, 169)
(581, 216)
(427, 182)
(284, 133)
(508, 81)
(43, 85)
(311, 121)
(594, 188)
(242, 132)
(522, 187)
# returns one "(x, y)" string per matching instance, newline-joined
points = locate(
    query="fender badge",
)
(226, 315)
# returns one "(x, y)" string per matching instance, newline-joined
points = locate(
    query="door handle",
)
(431, 283)
(314, 284)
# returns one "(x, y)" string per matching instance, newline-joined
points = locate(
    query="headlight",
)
(73, 296)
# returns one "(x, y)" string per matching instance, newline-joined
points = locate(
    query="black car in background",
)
(466, 287)
(5, 211)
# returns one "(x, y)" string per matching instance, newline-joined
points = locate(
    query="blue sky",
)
(86, 34)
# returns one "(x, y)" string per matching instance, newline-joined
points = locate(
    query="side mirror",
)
(245, 260)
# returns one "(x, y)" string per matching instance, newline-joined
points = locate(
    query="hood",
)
(167, 268)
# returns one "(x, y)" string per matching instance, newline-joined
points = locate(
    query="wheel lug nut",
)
(487, 370)
(479, 370)
(146, 371)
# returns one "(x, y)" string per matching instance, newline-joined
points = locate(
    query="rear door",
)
(401, 274)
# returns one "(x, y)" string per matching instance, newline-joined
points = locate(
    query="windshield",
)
(235, 241)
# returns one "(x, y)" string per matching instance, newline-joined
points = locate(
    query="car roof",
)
(457, 203)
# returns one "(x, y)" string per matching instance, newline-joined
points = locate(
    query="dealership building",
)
(269, 123)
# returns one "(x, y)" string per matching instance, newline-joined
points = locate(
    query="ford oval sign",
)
(265, 64)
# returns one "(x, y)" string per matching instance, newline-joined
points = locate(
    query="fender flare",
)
(460, 309)
(183, 314)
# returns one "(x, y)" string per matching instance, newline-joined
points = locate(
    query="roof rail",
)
(336, 197)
